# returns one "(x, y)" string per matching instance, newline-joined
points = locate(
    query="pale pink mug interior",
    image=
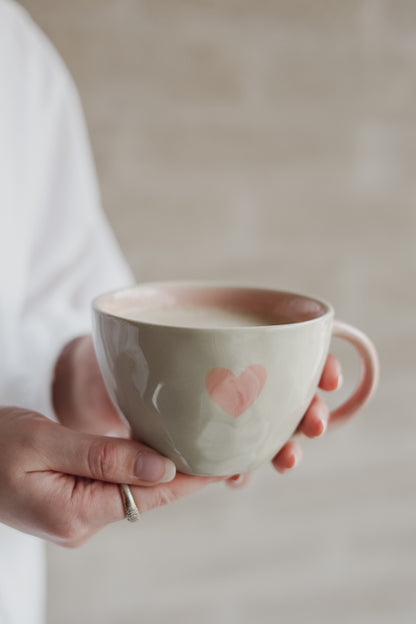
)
(279, 306)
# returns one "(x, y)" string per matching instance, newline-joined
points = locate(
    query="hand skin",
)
(316, 420)
(313, 425)
(62, 485)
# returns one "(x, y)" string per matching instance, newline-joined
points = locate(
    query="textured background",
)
(272, 142)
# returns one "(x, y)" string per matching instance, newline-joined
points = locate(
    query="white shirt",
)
(56, 254)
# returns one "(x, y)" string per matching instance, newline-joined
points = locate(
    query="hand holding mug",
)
(217, 377)
(82, 403)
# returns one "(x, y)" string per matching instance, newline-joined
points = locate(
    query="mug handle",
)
(369, 371)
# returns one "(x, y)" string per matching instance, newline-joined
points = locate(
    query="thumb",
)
(103, 458)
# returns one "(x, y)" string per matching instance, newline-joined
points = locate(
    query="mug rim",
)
(99, 300)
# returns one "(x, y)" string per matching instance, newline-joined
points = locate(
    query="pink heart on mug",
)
(232, 394)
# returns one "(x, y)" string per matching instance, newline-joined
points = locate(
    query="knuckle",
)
(102, 459)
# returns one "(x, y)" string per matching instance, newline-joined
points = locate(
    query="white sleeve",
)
(72, 254)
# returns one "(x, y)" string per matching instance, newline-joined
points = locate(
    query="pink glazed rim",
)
(295, 308)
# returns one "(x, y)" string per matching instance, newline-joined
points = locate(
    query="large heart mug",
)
(218, 377)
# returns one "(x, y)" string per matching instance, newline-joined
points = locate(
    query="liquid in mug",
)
(203, 317)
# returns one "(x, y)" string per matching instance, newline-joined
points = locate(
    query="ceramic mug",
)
(219, 399)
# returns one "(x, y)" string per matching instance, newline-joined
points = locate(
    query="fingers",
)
(166, 493)
(315, 421)
(288, 457)
(96, 504)
(102, 458)
(105, 502)
(331, 378)
(79, 396)
(238, 481)
(90, 505)
(313, 425)
(73, 480)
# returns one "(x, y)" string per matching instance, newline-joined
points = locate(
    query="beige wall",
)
(273, 142)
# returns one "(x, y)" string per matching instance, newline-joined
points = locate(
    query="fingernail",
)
(239, 480)
(340, 381)
(297, 456)
(153, 467)
(116, 434)
(324, 424)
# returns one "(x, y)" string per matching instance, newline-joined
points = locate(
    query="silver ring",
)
(130, 507)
